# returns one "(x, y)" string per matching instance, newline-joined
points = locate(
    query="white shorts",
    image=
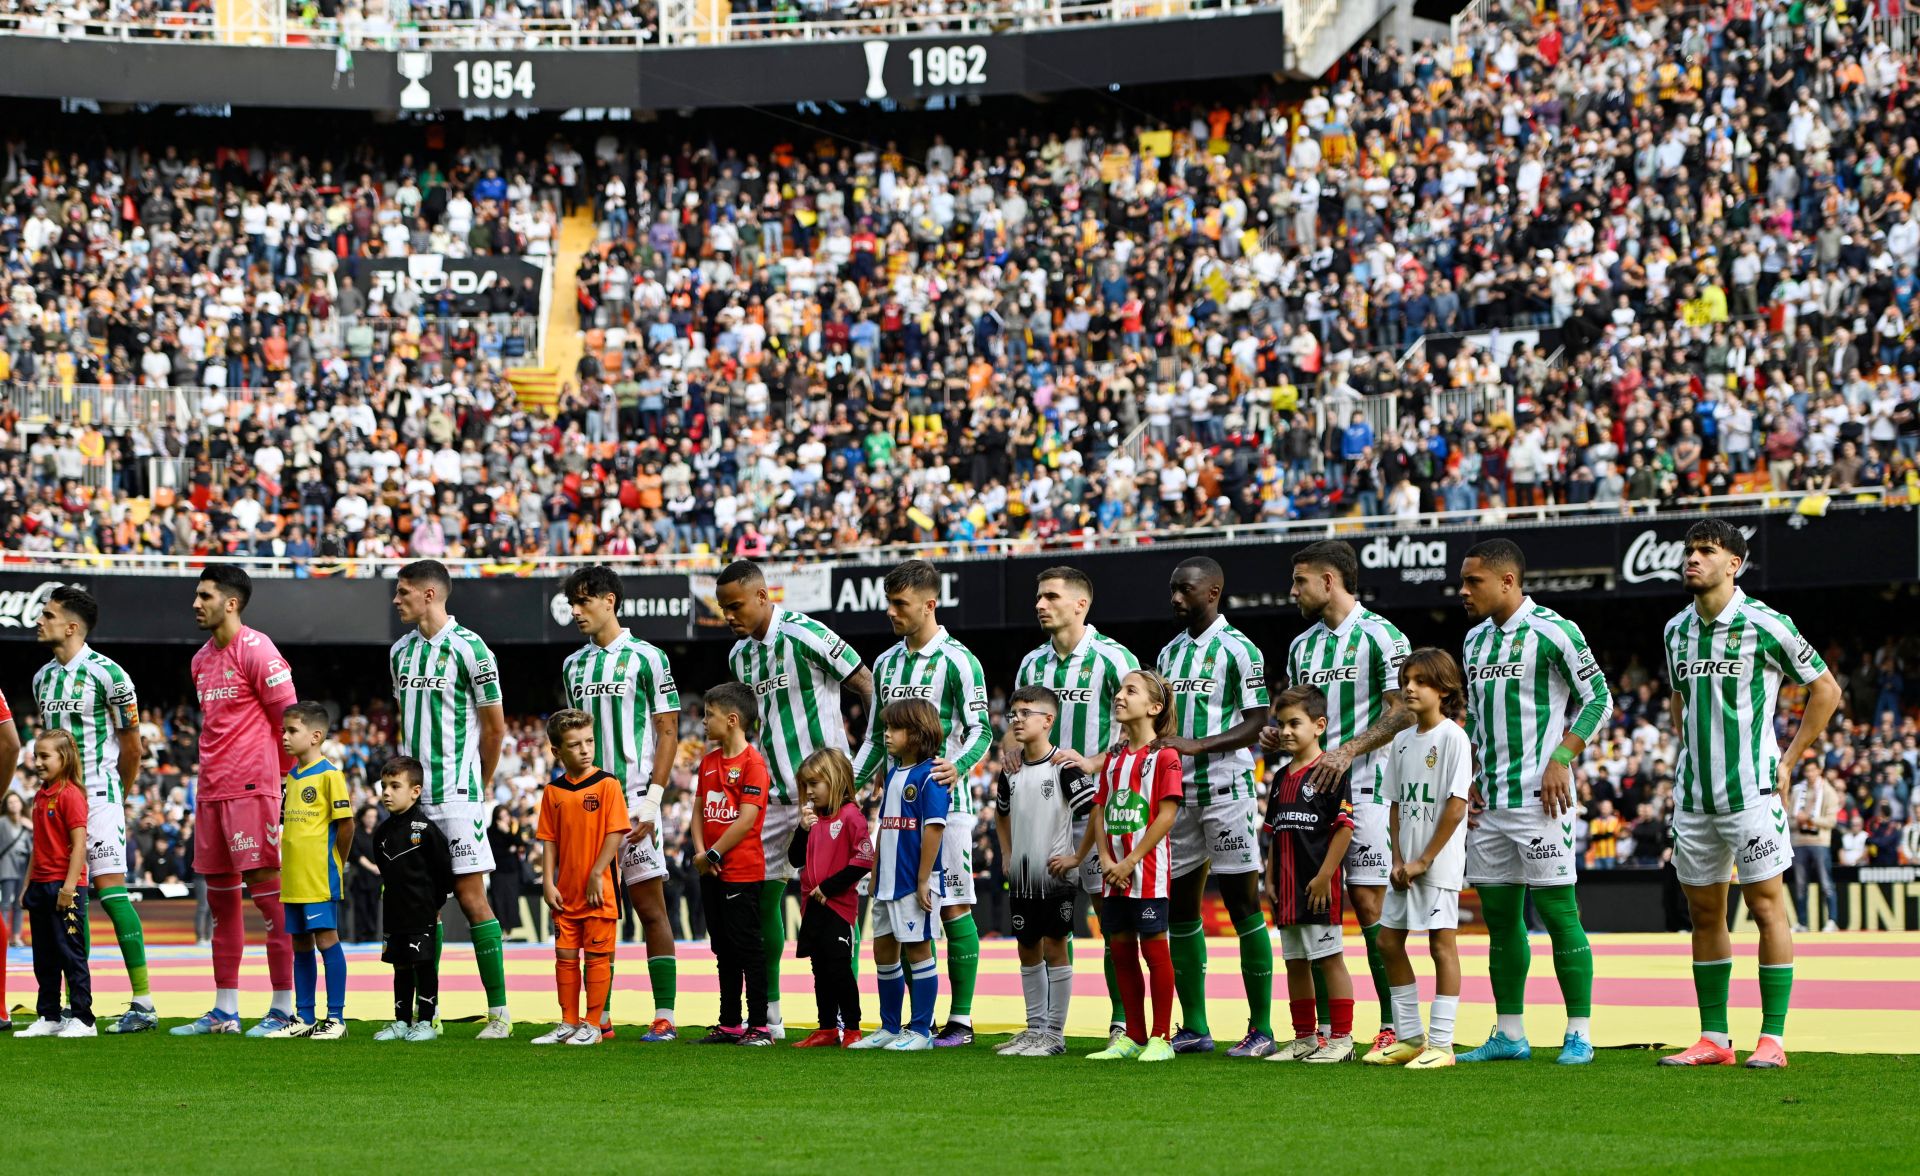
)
(1369, 855)
(106, 837)
(956, 859)
(1304, 941)
(1708, 847)
(1421, 907)
(904, 920)
(465, 824)
(776, 837)
(1090, 880)
(643, 861)
(1521, 847)
(1223, 835)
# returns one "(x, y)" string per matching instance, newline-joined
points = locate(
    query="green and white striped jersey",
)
(1520, 676)
(1215, 679)
(1727, 673)
(795, 673)
(92, 699)
(1357, 664)
(1086, 680)
(441, 682)
(622, 686)
(946, 674)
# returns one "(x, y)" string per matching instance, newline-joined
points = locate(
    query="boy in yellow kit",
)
(316, 833)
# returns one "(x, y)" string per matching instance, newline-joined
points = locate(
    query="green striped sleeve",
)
(663, 694)
(971, 714)
(823, 646)
(1582, 674)
(1794, 654)
(873, 753)
(482, 672)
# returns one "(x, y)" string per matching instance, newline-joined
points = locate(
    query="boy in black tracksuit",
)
(416, 872)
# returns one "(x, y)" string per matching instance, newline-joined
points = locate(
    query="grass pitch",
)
(454, 1106)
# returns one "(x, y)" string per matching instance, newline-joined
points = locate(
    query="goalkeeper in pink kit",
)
(243, 685)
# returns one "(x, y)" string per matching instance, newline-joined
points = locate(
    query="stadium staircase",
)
(1320, 32)
(538, 388)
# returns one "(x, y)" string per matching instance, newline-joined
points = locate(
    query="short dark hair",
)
(1310, 699)
(310, 714)
(740, 571)
(1442, 672)
(430, 572)
(598, 580)
(79, 602)
(737, 698)
(1034, 692)
(1335, 554)
(562, 721)
(918, 718)
(1500, 553)
(916, 574)
(1719, 533)
(1072, 577)
(1205, 565)
(407, 768)
(231, 580)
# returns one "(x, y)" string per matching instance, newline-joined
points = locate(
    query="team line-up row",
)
(1410, 774)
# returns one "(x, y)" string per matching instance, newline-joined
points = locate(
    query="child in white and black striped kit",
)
(1035, 809)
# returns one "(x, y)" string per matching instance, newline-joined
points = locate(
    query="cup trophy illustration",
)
(415, 67)
(876, 68)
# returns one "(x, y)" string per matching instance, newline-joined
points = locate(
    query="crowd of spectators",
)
(795, 348)
(1869, 759)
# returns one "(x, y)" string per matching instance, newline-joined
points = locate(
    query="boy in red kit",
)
(583, 824)
(834, 852)
(1311, 828)
(56, 897)
(732, 793)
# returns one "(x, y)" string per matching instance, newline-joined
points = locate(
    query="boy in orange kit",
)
(583, 822)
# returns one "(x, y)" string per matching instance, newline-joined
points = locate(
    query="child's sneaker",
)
(585, 1035)
(75, 1027)
(661, 1030)
(327, 1029)
(42, 1028)
(1434, 1057)
(850, 1038)
(211, 1021)
(1045, 1045)
(819, 1038)
(394, 1031)
(1019, 1041)
(878, 1039)
(1397, 1053)
(558, 1035)
(954, 1033)
(1499, 1048)
(294, 1027)
(721, 1035)
(911, 1042)
(754, 1037)
(1575, 1050)
(1189, 1041)
(499, 1027)
(422, 1031)
(1297, 1050)
(271, 1024)
(1337, 1049)
(1254, 1045)
(1158, 1049)
(1124, 1050)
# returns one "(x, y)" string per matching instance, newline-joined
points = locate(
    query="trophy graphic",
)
(414, 67)
(876, 68)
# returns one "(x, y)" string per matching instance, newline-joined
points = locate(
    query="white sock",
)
(663, 1015)
(1326, 1030)
(1581, 1025)
(227, 1000)
(1513, 1026)
(497, 1011)
(773, 1013)
(1059, 996)
(282, 1001)
(1406, 1011)
(961, 1019)
(1033, 986)
(141, 1002)
(1440, 1026)
(1719, 1039)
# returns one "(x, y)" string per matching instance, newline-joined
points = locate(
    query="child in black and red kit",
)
(56, 894)
(1311, 829)
(833, 852)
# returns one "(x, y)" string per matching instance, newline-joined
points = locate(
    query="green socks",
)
(1256, 970)
(439, 943)
(773, 932)
(1509, 955)
(1322, 1003)
(963, 964)
(491, 961)
(1710, 982)
(133, 945)
(1776, 989)
(1187, 943)
(1572, 956)
(1118, 1015)
(664, 972)
(1377, 968)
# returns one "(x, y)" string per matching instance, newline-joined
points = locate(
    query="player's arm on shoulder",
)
(872, 756)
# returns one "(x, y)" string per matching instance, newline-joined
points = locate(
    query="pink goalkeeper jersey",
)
(242, 691)
(1132, 785)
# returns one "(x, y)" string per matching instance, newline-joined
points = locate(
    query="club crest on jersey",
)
(591, 804)
(1433, 756)
(910, 792)
(833, 828)
(1306, 790)
(309, 794)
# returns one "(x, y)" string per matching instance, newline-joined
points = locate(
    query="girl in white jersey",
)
(1429, 769)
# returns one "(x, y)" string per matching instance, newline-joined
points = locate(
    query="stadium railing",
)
(681, 25)
(985, 549)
